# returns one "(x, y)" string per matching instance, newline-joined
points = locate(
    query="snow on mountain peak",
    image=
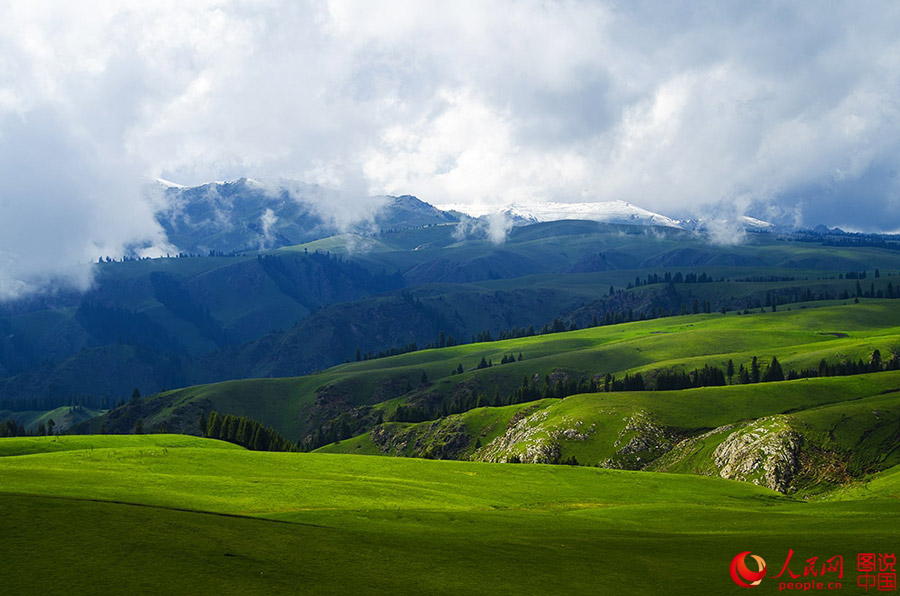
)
(605, 211)
(169, 183)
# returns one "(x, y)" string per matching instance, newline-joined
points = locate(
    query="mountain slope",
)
(355, 394)
(230, 217)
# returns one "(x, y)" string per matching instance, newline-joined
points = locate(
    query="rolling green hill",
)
(297, 406)
(205, 518)
(808, 435)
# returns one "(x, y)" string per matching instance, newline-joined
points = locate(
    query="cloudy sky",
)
(787, 111)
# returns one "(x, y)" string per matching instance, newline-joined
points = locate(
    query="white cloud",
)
(679, 108)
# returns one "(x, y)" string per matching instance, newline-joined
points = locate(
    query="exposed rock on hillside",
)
(764, 452)
(641, 441)
(532, 440)
(441, 439)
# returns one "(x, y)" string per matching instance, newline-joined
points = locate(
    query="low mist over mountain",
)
(228, 217)
(617, 212)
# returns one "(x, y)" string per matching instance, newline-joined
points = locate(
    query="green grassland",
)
(846, 429)
(800, 338)
(162, 514)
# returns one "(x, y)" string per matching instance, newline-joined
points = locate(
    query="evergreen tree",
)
(201, 423)
(729, 370)
(240, 436)
(754, 370)
(213, 425)
(774, 372)
(875, 360)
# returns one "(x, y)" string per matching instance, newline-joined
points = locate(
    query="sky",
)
(787, 111)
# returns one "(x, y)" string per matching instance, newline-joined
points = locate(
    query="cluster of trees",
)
(767, 278)
(243, 431)
(849, 367)
(443, 341)
(708, 376)
(488, 363)
(668, 277)
(774, 300)
(857, 275)
(510, 358)
(410, 347)
(529, 390)
(181, 255)
(871, 292)
(517, 332)
(24, 404)
(342, 427)
(11, 428)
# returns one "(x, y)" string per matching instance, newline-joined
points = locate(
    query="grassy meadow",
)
(799, 338)
(169, 514)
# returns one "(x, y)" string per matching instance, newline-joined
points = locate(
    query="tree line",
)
(12, 428)
(243, 431)
(615, 316)
(51, 402)
(534, 388)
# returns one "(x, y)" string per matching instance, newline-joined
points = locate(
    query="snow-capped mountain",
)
(620, 212)
(750, 224)
(617, 212)
(606, 211)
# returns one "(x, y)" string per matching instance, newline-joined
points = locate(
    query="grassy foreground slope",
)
(297, 406)
(228, 521)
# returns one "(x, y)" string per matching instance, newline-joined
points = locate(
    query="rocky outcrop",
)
(764, 452)
(440, 439)
(533, 440)
(641, 441)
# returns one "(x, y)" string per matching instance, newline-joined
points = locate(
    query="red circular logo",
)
(742, 575)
